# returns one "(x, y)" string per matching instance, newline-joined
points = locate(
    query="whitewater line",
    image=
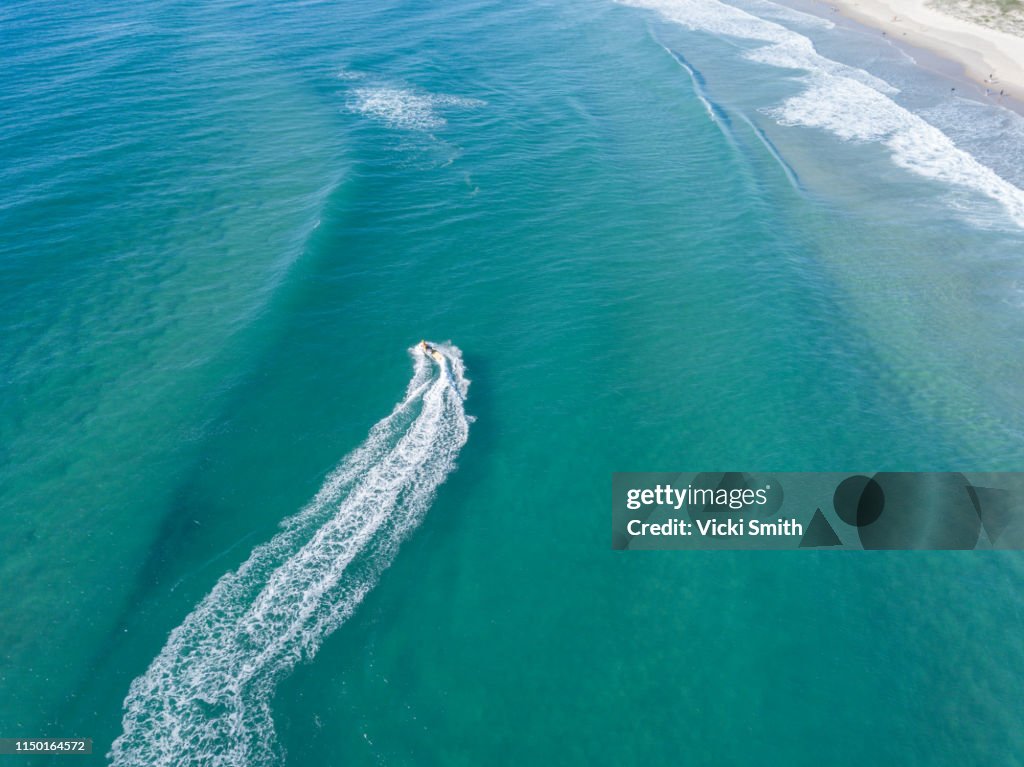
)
(205, 699)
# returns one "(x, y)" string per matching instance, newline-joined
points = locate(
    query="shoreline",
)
(981, 51)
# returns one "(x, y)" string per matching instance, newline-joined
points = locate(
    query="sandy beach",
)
(993, 58)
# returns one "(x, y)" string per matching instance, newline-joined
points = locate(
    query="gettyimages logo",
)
(886, 510)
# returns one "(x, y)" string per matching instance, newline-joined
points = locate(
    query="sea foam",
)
(407, 109)
(205, 699)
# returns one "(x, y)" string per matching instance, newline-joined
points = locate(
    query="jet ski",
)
(431, 351)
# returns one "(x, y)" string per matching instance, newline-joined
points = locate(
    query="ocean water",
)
(242, 522)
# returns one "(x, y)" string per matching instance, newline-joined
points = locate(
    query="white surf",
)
(848, 102)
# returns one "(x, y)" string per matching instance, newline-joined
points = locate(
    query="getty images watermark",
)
(885, 510)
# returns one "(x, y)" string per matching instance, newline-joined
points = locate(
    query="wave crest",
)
(849, 102)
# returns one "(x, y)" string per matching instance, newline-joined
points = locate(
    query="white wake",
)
(205, 699)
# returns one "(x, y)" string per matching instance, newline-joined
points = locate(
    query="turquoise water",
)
(654, 245)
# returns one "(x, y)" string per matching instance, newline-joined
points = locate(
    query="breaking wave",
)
(850, 103)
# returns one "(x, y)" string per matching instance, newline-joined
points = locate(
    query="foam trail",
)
(205, 699)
